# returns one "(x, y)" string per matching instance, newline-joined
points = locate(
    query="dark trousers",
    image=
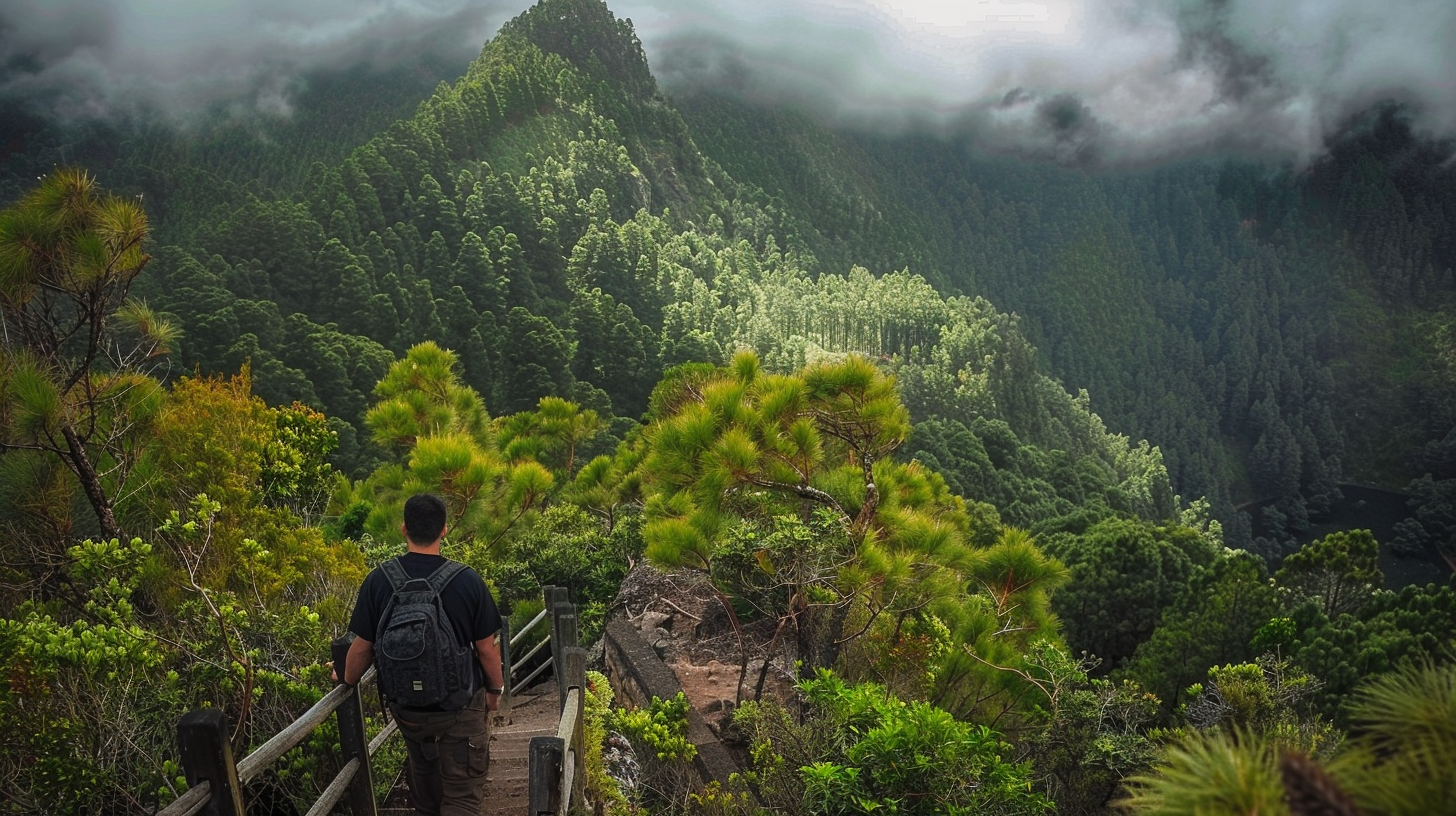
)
(449, 754)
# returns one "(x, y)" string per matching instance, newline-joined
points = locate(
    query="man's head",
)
(424, 518)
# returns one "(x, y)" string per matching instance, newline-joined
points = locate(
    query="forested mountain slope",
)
(549, 217)
(1271, 331)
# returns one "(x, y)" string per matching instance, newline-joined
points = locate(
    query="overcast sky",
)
(1118, 80)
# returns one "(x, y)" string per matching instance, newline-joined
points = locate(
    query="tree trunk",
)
(818, 632)
(90, 483)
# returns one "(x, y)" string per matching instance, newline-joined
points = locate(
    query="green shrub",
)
(597, 711)
(862, 750)
(658, 735)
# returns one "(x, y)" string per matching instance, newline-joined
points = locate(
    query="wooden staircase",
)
(534, 713)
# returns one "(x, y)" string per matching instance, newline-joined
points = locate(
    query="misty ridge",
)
(1095, 83)
(858, 116)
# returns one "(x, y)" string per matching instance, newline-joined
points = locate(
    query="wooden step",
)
(533, 714)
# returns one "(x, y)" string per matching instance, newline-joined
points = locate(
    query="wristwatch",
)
(496, 691)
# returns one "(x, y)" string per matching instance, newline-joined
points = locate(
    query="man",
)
(449, 750)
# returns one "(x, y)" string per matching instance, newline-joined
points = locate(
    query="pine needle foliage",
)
(1211, 774)
(741, 445)
(73, 344)
(421, 396)
(1403, 759)
(450, 447)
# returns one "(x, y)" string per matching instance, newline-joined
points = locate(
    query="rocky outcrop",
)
(672, 632)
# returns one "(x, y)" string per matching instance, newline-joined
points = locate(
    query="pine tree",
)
(75, 349)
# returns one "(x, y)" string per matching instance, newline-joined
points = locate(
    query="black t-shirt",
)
(466, 599)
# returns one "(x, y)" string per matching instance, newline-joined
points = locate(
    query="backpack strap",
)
(443, 575)
(441, 578)
(394, 571)
(397, 577)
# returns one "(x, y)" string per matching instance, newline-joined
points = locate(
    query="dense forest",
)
(997, 417)
(1273, 332)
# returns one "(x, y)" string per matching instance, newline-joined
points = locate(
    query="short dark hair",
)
(424, 518)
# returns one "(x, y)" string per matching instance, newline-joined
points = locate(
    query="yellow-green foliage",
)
(90, 696)
(71, 680)
(493, 476)
(744, 443)
(226, 599)
(1270, 696)
(658, 735)
(248, 463)
(661, 728)
(715, 800)
(739, 444)
(858, 749)
(421, 396)
(597, 710)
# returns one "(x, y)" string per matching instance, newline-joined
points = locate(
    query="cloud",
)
(1079, 81)
(1147, 79)
(101, 57)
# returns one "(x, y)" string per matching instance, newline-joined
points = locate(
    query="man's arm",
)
(487, 651)
(361, 654)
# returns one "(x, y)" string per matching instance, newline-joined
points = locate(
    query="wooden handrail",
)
(336, 789)
(516, 638)
(189, 803)
(212, 773)
(508, 655)
(383, 736)
(207, 754)
(297, 731)
(537, 671)
(567, 731)
(556, 777)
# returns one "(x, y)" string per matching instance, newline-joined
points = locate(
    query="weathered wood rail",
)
(216, 782)
(557, 778)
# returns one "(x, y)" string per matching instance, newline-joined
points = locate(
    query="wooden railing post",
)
(504, 709)
(353, 740)
(566, 624)
(548, 597)
(575, 671)
(566, 635)
(544, 769)
(555, 598)
(554, 595)
(207, 756)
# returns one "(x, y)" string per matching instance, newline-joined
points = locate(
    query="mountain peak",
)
(591, 38)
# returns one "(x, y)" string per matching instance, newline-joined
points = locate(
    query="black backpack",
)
(421, 663)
